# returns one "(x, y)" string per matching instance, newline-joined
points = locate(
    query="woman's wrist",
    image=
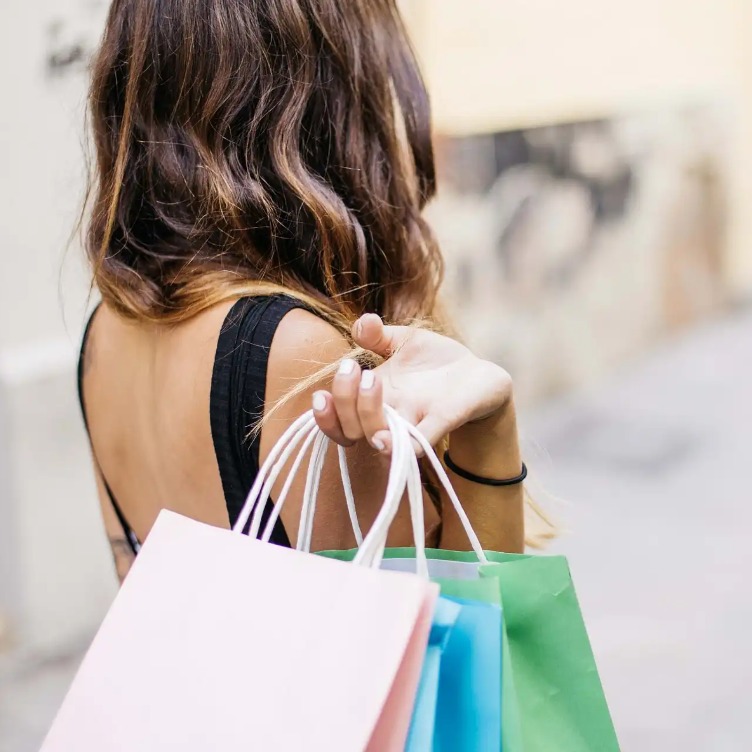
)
(489, 447)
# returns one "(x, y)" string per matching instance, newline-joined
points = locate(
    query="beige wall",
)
(56, 577)
(496, 64)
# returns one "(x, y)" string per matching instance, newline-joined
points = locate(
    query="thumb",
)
(370, 333)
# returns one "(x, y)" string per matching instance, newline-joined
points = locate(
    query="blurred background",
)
(595, 208)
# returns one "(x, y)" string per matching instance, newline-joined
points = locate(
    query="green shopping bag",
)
(552, 698)
(558, 692)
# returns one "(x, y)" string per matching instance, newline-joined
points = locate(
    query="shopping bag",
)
(467, 587)
(421, 735)
(556, 699)
(467, 584)
(558, 691)
(468, 701)
(552, 697)
(220, 642)
(457, 706)
(468, 711)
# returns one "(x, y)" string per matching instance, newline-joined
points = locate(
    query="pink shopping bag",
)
(220, 642)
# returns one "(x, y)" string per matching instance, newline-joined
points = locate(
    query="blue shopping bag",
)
(458, 704)
(468, 709)
(420, 736)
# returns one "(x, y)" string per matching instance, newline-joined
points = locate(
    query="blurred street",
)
(655, 467)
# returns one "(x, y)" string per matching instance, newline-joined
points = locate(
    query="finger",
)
(383, 439)
(327, 420)
(384, 436)
(371, 408)
(370, 332)
(434, 429)
(345, 394)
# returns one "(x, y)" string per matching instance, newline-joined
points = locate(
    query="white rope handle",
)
(307, 434)
(310, 498)
(395, 485)
(372, 549)
(310, 495)
(430, 454)
(304, 538)
(277, 507)
(417, 518)
(415, 495)
(349, 498)
(269, 471)
(303, 427)
(404, 473)
(321, 444)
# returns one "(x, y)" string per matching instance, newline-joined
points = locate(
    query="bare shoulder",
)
(303, 344)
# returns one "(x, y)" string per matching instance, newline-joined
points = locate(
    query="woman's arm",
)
(489, 448)
(303, 344)
(438, 385)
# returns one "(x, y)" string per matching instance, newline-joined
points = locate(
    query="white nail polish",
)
(346, 367)
(367, 381)
(319, 402)
(379, 444)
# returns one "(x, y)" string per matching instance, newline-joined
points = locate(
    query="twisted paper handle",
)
(404, 474)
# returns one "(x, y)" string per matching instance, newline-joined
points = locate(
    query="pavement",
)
(653, 472)
(655, 467)
(30, 695)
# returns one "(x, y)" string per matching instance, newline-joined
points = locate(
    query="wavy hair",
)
(280, 143)
(253, 146)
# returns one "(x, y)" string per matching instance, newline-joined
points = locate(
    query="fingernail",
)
(319, 402)
(367, 381)
(359, 328)
(379, 444)
(346, 367)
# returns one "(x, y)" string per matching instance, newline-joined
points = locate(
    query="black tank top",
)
(236, 402)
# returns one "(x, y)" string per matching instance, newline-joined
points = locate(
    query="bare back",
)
(147, 392)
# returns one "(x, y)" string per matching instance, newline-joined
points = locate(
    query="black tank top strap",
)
(238, 394)
(130, 536)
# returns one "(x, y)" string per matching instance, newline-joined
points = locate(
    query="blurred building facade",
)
(594, 175)
(524, 63)
(597, 160)
(574, 247)
(55, 575)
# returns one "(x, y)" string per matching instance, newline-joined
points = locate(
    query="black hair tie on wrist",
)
(449, 462)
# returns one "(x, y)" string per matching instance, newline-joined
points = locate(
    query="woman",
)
(261, 169)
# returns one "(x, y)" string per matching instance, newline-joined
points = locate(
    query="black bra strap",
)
(130, 536)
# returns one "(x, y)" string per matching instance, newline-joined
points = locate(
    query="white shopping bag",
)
(219, 642)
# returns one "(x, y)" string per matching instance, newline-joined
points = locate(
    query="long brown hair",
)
(261, 143)
(248, 146)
